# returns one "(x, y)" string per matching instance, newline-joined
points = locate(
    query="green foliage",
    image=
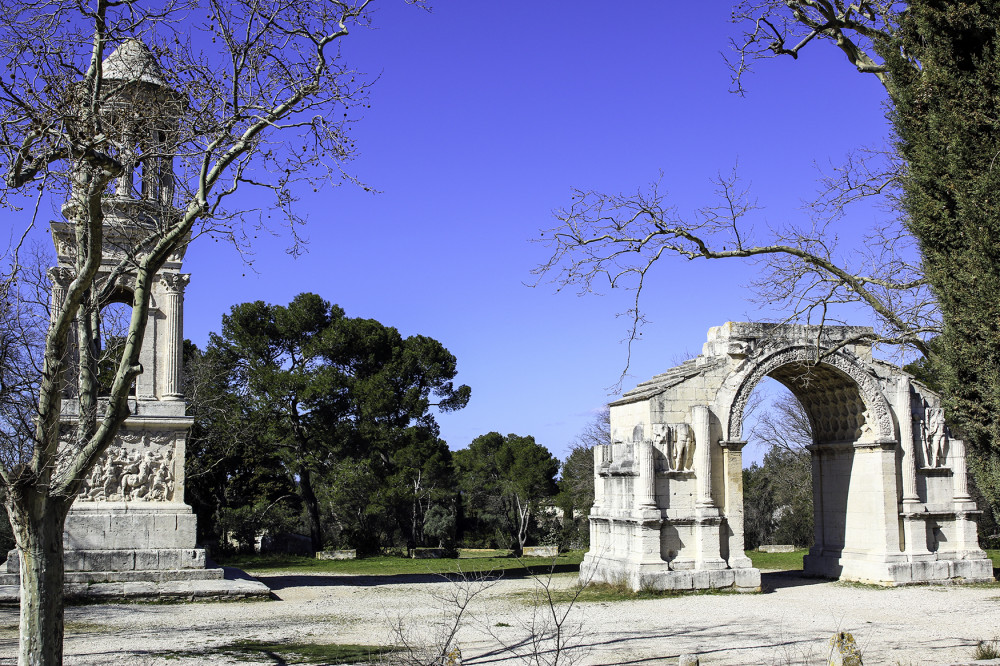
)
(777, 499)
(439, 523)
(946, 123)
(335, 408)
(777, 495)
(504, 481)
(235, 482)
(576, 481)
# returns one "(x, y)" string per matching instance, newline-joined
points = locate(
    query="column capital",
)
(61, 275)
(174, 283)
(732, 444)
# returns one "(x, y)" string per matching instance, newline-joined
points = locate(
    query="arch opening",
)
(111, 333)
(843, 514)
(777, 469)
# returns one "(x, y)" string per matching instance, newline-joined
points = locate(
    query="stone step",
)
(235, 585)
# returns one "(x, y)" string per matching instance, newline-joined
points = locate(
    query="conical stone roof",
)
(133, 61)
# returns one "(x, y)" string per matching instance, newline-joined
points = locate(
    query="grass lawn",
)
(475, 561)
(781, 561)
(468, 561)
(793, 560)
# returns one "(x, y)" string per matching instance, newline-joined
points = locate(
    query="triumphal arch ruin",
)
(890, 495)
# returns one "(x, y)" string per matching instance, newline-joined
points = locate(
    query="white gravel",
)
(789, 624)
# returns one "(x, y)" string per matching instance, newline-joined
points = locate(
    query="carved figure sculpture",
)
(683, 447)
(676, 443)
(935, 436)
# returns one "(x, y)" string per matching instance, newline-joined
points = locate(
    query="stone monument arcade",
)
(891, 502)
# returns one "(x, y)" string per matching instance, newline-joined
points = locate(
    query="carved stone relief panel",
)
(137, 468)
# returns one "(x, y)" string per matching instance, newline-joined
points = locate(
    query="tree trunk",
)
(312, 508)
(38, 523)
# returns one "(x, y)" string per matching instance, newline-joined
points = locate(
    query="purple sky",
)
(484, 116)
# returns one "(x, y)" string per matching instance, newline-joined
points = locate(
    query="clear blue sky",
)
(484, 116)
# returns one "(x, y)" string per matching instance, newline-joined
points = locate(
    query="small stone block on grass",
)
(540, 551)
(776, 548)
(337, 554)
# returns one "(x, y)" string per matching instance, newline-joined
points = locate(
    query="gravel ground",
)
(790, 623)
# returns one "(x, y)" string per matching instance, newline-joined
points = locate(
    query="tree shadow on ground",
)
(281, 581)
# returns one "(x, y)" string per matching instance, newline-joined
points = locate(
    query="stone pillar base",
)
(893, 570)
(660, 576)
(130, 542)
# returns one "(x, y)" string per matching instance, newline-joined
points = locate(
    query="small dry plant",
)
(439, 646)
(987, 650)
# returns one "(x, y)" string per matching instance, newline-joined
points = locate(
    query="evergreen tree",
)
(945, 117)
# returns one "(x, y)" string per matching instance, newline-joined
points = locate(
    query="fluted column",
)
(959, 470)
(173, 342)
(60, 276)
(701, 424)
(905, 416)
(645, 495)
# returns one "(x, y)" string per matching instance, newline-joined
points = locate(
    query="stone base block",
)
(906, 572)
(152, 559)
(218, 588)
(540, 551)
(129, 526)
(658, 576)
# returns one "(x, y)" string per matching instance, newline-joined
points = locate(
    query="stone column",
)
(600, 451)
(708, 522)
(905, 416)
(966, 534)
(914, 522)
(173, 340)
(734, 502)
(881, 457)
(960, 478)
(60, 276)
(702, 425)
(645, 492)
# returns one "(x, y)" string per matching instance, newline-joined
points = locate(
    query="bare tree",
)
(784, 426)
(615, 240)
(441, 647)
(548, 635)
(204, 99)
(772, 28)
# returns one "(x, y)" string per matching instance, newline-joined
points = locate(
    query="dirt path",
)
(790, 624)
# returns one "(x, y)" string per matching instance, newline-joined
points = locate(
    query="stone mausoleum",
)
(130, 523)
(890, 491)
